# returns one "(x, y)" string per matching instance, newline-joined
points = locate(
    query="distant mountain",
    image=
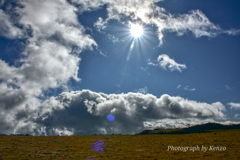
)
(193, 129)
(210, 126)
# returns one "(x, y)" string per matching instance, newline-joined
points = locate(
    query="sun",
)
(136, 30)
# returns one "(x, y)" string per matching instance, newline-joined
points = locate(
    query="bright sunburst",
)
(136, 30)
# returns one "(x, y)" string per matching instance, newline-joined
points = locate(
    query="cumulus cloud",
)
(165, 62)
(85, 111)
(49, 59)
(7, 28)
(235, 106)
(54, 38)
(6, 71)
(60, 19)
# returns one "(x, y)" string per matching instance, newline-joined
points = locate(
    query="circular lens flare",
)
(98, 146)
(136, 30)
(110, 118)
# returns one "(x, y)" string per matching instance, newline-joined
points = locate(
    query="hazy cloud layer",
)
(181, 123)
(165, 62)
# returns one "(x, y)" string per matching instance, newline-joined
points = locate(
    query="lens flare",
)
(98, 146)
(110, 118)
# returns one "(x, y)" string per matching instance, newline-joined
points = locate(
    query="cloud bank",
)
(84, 112)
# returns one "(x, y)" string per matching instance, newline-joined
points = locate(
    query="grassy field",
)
(122, 146)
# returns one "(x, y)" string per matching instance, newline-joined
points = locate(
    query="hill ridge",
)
(192, 129)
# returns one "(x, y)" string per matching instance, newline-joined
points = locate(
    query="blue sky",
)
(66, 65)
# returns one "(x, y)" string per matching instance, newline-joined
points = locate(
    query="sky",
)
(79, 67)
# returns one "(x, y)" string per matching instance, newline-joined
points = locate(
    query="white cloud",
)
(7, 72)
(60, 19)
(178, 86)
(49, 59)
(112, 38)
(7, 28)
(89, 5)
(142, 90)
(101, 53)
(189, 89)
(48, 65)
(232, 32)
(235, 106)
(100, 24)
(196, 22)
(165, 62)
(148, 12)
